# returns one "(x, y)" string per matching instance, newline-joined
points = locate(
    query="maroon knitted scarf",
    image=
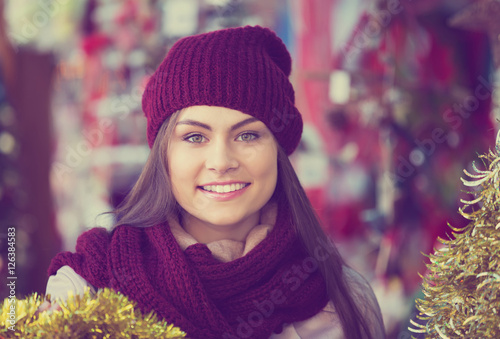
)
(250, 297)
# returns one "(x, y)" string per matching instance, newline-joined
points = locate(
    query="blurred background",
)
(398, 96)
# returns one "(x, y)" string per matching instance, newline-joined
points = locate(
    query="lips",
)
(224, 191)
(226, 188)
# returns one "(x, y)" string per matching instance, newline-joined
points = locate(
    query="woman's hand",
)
(48, 306)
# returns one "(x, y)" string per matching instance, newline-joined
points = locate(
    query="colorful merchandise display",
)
(397, 97)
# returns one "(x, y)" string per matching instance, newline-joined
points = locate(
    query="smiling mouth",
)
(223, 188)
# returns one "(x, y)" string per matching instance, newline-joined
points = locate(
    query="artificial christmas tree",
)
(462, 287)
(108, 314)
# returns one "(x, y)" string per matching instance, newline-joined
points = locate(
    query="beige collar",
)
(228, 250)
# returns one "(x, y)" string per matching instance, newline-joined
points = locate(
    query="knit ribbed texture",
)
(193, 290)
(244, 68)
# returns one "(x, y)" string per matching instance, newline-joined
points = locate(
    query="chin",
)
(223, 221)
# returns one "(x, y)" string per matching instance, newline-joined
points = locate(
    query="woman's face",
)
(223, 167)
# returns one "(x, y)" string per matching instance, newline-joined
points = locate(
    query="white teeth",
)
(224, 188)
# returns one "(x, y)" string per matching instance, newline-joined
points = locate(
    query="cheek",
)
(179, 160)
(266, 168)
(180, 169)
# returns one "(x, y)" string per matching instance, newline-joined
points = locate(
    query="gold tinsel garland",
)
(462, 288)
(108, 314)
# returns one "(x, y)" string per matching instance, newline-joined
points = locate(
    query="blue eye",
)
(247, 136)
(194, 138)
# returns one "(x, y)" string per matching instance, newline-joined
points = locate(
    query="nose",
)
(220, 157)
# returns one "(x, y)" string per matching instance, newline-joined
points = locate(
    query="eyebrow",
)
(205, 126)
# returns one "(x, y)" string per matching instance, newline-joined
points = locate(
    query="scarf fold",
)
(249, 297)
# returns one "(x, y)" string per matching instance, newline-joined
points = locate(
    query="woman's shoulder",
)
(361, 290)
(357, 282)
(366, 300)
(90, 252)
(96, 235)
(325, 324)
(93, 242)
(99, 238)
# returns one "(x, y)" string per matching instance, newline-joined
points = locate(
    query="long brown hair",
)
(311, 233)
(151, 202)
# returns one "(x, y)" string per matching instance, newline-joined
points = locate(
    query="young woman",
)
(217, 235)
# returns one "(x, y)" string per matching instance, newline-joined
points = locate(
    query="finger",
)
(55, 307)
(44, 306)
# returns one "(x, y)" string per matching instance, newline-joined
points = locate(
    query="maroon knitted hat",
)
(244, 68)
